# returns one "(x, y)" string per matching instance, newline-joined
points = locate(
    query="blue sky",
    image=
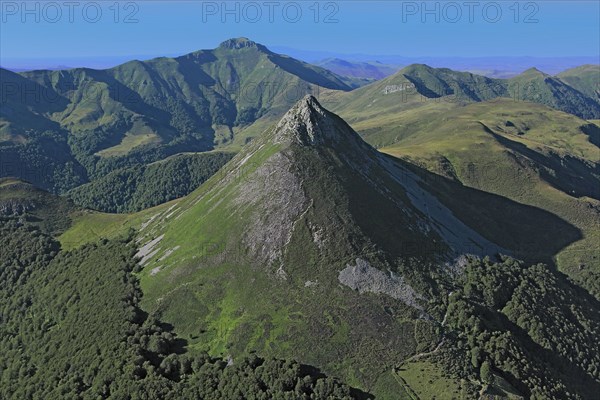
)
(540, 28)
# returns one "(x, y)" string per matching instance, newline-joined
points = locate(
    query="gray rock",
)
(367, 279)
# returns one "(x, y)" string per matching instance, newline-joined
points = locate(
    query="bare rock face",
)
(275, 189)
(276, 198)
(367, 279)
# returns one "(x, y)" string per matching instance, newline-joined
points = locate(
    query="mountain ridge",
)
(417, 84)
(151, 109)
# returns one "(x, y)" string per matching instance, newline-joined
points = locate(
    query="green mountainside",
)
(94, 121)
(216, 238)
(522, 151)
(438, 82)
(536, 86)
(139, 187)
(420, 86)
(585, 78)
(266, 254)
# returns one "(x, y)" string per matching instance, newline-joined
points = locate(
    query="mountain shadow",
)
(593, 131)
(530, 233)
(567, 174)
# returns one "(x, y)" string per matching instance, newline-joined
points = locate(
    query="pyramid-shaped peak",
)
(309, 103)
(308, 123)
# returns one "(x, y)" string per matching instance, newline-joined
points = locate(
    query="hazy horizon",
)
(513, 64)
(124, 30)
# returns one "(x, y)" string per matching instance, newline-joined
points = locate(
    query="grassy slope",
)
(373, 109)
(585, 78)
(211, 280)
(444, 135)
(427, 381)
(129, 142)
(19, 97)
(224, 317)
(90, 226)
(153, 101)
(461, 143)
(56, 215)
(536, 86)
(380, 111)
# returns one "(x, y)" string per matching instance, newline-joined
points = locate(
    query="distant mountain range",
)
(365, 71)
(491, 66)
(235, 223)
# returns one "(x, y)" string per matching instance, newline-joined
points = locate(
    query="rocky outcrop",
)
(367, 279)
